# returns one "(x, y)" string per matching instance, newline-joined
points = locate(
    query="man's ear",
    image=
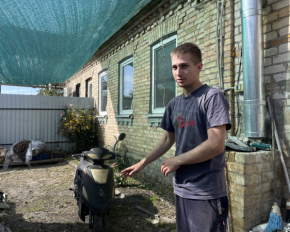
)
(199, 67)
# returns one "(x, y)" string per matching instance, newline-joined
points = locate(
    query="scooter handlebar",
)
(77, 155)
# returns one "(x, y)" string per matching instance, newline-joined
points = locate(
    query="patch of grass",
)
(35, 206)
(149, 222)
(123, 208)
(145, 185)
(153, 199)
(172, 227)
(113, 220)
(162, 224)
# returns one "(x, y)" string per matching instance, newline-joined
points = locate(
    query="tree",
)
(50, 92)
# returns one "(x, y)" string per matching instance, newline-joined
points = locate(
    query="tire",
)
(99, 222)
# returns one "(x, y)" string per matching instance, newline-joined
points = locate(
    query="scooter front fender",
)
(97, 190)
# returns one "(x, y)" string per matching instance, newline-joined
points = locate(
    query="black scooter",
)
(94, 187)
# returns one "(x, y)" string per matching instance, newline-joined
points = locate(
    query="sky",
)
(18, 90)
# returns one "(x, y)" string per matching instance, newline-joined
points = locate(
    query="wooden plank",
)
(38, 162)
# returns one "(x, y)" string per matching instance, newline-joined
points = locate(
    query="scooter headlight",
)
(93, 156)
(100, 175)
(107, 156)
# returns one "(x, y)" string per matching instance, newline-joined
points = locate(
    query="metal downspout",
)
(253, 62)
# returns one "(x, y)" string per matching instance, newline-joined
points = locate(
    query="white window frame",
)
(100, 92)
(156, 46)
(124, 63)
(90, 88)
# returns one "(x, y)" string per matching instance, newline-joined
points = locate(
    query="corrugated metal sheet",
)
(35, 117)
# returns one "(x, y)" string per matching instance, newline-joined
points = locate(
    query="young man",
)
(197, 122)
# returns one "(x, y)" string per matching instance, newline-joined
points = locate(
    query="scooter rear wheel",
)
(99, 222)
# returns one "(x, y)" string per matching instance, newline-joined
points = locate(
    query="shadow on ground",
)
(40, 200)
(122, 217)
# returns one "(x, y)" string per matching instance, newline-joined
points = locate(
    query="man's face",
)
(185, 72)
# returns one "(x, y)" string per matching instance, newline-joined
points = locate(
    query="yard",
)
(40, 200)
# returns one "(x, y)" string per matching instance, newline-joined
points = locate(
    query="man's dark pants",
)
(201, 215)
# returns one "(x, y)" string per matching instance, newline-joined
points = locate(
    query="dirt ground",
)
(40, 200)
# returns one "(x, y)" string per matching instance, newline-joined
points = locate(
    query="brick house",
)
(130, 79)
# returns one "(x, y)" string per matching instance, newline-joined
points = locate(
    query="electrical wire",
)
(237, 95)
(240, 66)
(218, 39)
(221, 46)
(239, 115)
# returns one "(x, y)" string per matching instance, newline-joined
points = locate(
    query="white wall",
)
(27, 117)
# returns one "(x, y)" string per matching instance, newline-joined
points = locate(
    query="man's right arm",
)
(160, 149)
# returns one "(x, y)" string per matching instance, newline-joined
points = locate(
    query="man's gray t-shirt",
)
(189, 118)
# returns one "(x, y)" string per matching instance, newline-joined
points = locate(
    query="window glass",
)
(163, 86)
(90, 87)
(103, 91)
(164, 82)
(78, 88)
(126, 86)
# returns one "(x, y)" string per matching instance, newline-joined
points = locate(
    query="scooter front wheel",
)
(100, 221)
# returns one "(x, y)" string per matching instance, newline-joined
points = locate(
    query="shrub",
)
(79, 126)
(120, 163)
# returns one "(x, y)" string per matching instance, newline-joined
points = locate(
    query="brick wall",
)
(250, 182)
(249, 176)
(192, 25)
(276, 30)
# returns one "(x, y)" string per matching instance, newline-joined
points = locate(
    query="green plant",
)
(121, 163)
(50, 92)
(78, 125)
(149, 222)
(162, 224)
(120, 180)
(153, 199)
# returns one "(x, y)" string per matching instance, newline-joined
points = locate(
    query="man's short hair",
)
(188, 48)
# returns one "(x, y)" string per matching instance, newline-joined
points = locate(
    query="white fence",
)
(33, 117)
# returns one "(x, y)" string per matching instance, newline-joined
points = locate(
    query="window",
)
(163, 83)
(103, 91)
(126, 87)
(78, 90)
(89, 87)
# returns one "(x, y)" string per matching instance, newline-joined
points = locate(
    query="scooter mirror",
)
(121, 136)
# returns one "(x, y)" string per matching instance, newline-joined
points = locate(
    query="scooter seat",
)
(97, 153)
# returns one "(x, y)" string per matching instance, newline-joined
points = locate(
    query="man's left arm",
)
(213, 146)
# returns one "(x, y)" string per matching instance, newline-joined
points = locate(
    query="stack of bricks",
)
(250, 182)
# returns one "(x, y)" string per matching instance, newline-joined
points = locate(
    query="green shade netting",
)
(48, 41)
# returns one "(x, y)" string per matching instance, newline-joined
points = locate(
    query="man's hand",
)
(169, 165)
(132, 170)
(160, 148)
